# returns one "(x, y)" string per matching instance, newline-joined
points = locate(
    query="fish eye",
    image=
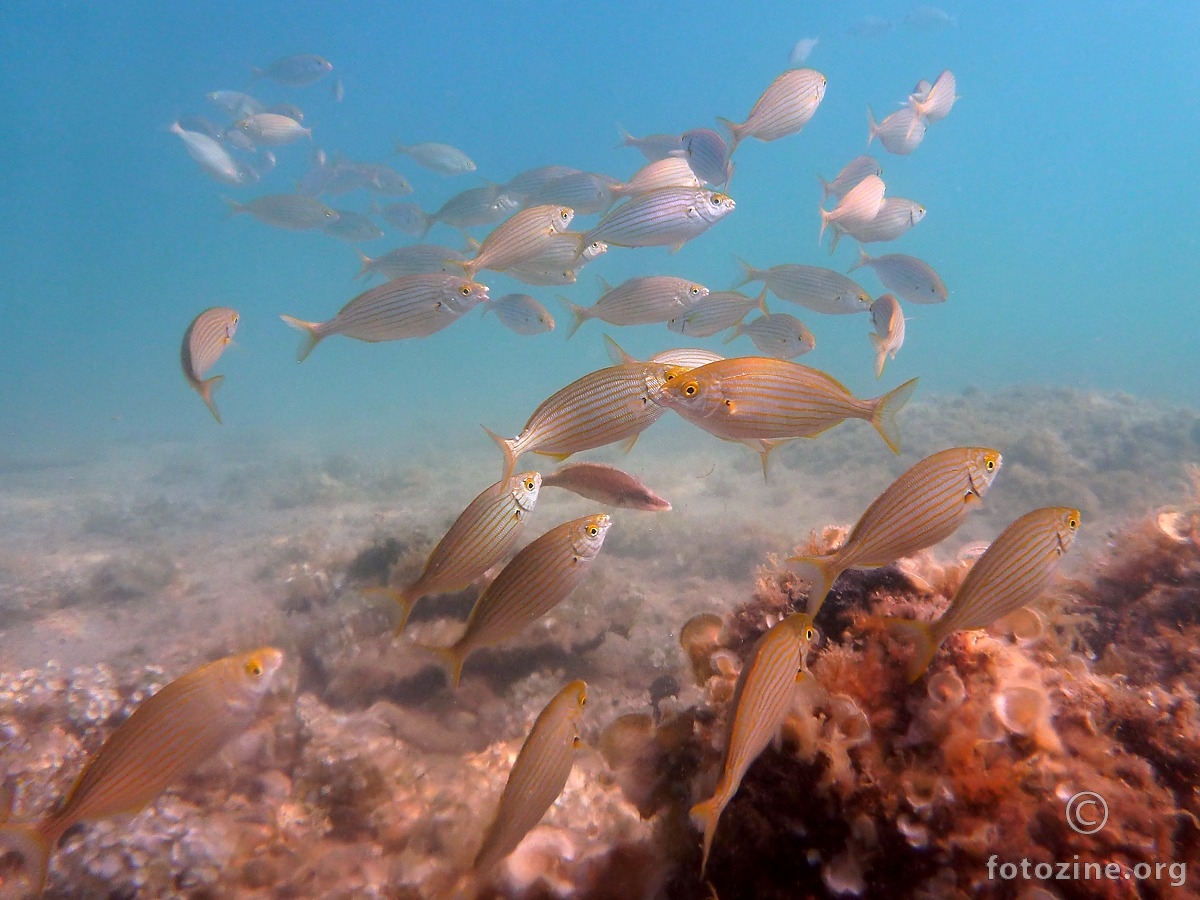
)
(465, 290)
(529, 485)
(562, 214)
(1072, 523)
(593, 531)
(690, 390)
(810, 633)
(254, 668)
(991, 464)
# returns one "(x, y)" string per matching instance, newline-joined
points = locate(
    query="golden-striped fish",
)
(405, 307)
(166, 737)
(293, 211)
(780, 335)
(908, 277)
(643, 300)
(537, 777)
(786, 106)
(616, 403)
(271, 129)
(480, 537)
(888, 319)
(859, 206)
(758, 399)
(203, 343)
(667, 217)
(716, 312)
(537, 579)
(522, 237)
(669, 172)
(922, 507)
(759, 706)
(818, 289)
(1014, 571)
(607, 485)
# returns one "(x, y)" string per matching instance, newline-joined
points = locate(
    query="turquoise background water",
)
(1063, 212)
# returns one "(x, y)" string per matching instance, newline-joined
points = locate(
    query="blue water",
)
(1062, 208)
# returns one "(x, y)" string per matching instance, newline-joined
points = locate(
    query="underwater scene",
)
(660, 451)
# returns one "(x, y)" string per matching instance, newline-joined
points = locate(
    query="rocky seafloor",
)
(369, 777)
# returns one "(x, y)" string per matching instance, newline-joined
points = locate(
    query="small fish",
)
(522, 237)
(272, 130)
(522, 314)
(852, 173)
(440, 158)
(922, 507)
(292, 211)
(537, 777)
(896, 217)
(870, 27)
(937, 101)
(929, 18)
(539, 577)
(290, 110)
(385, 180)
(784, 108)
(653, 146)
(707, 154)
(558, 261)
(296, 71)
(203, 343)
(900, 133)
(210, 155)
(338, 90)
(668, 217)
(888, 338)
(353, 227)
(405, 307)
(407, 217)
(639, 301)
(166, 737)
(908, 277)
(802, 50)
(416, 259)
(616, 403)
(236, 103)
(779, 335)
(818, 289)
(858, 207)
(761, 701)
(1014, 571)
(475, 207)
(668, 172)
(523, 186)
(584, 192)
(344, 177)
(198, 124)
(716, 312)
(607, 485)
(480, 537)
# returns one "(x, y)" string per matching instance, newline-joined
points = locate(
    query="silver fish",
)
(907, 277)
(859, 206)
(780, 335)
(813, 287)
(784, 108)
(406, 217)
(290, 110)
(208, 153)
(417, 259)
(236, 103)
(439, 157)
(522, 238)
(523, 186)
(296, 71)
(888, 319)
(900, 133)
(716, 312)
(381, 179)
(937, 101)
(639, 301)
(668, 172)
(272, 130)
(667, 217)
(653, 146)
(896, 217)
(850, 175)
(474, 207)
(584, 192)
(707, 154)
(353, 227)
(294, 211)
(558, 260)
(522, 314)
(802, 50)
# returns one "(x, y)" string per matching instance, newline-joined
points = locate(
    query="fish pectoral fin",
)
(557, 457)
(627, 444)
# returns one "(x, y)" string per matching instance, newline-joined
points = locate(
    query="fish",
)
(558, 261)
(686, 357)
(858, 207)
(850, 175)
(272, 130)
(818, 289)
(802, 50)
(539, 577)
(521, 238)
(1015, 570)
(784, 108)
(290, 110)
(405, 307)
(937, 101)
(385, 180)
(481, 536)
(415, 259)
(900, 133)
(210, 155)
(922, 507)
(441, 158)
(406, 217)
(653, 146)
(761, 701)
(779, 335)
(198, 124)
(236, 103)
(888, 337)
(584, 192)
(474, 207)
(296, 212)
(870, 27)
(670, 171)
(522, 314)
(338, 90)
(929, 18)
(907, 277)
(296, 71)
(716, 312)
(668, 217)
(606, 484)
(896, 217)
(752, 399)
(203, 343)
(353, 227)
(523, 186)
(639, 301)
(616, 403)
(707, 154)
(166, 737)
(537, 777)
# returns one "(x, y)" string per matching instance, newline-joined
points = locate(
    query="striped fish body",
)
(203, 343)
(759, 706)
(539, 577)
(937, 102)
(888, 320)
(272, 130)
(408, 218)
(417, 259)
(525, 185)
(669, 172)
(644, 300)
(850, 175)
(559, 262)
(857, 208)
(353, 227)
(907, 277)
(780, 335)
(900, 133)
(481, 536)
(475, 207)
(813, 287)
(685, 357)
(784, 108)
(612, 404)
(653, 146)
(896, 217)
(538, 775)
(522, 314)
(714, 313)
(584, 192)
(606, 484)
(667, 217)
(707, 154)
(442, 158)
(922, 507)
(296, 212)
(522, 237)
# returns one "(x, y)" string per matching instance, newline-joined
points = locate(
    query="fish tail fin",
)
(364, 264)
(506, 447)
(452, 658)
(735, 332)
(705, 814)
(819, 571)
(837, 236)
(207, 386)
(426, 224)
(922, 636)
(762, 301)
(403, 596)
(872, 125)
(825, 188)
(312, 338)
(34, 846)
(880, 353)
(749, 273)
(864, 258)
(234, 207)
(825, 214)
(626, 138)
(883, 417)
(735, 132)
(579, 315)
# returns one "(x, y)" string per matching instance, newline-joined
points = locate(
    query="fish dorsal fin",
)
(615, 353)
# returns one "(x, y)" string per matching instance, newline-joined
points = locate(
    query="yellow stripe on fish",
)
(538, 578)
(760, 704)
(669, 216)
(1013, 572)
(922, 507)
(786, 106)
(522, 237)
(167, 736)
(203, 343)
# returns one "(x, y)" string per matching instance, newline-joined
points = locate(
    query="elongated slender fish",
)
(210, 155)
(759, 706)
(296, 71)
(859, 206)
(780, 335)
(896, 217)
(900, 133)
(203, 343)
(521, 238)
(1014, 571)
(442, 158)
(850, 175)
(416, 259)
(716, 312)
(272, 129)
(922, 507)
(480, 537)
(936, 102)
(616, 403)
(667, 217)
(559, 261)
(606, 484)
(165, 738)
(522, 314)
(812, 287)
(669, 172)
(293, 211)
(406, 217)
(538, 775)
(639, 301)
(653, 146)
(907, 277)
(540, 576)
(785, 107)
(888, 337)
(352, 227)
(405, 307)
